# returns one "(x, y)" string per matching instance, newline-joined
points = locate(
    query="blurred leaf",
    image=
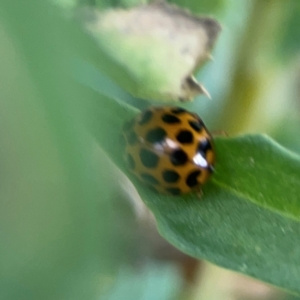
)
(89, 76)
(248, 219)
(286, 132)
(289, 43)
(55, 243)
(140, 44)
(66, 4)
(201, 6)
(154, 280)
(252, 73)
(118, 3)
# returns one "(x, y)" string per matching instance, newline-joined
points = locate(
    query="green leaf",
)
(258, 169)
(55, 243)
(248, 218)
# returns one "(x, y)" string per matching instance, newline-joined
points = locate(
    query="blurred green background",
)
(68, 231)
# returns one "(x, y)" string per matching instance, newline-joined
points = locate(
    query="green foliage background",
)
(61, 235)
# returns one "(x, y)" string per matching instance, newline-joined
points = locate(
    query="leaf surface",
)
(248, 218)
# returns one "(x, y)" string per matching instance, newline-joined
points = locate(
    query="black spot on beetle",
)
(203, 147)
(191, 180)
(173, 191)
(148, 158)
(156, 135)
(178, 110)
(170, 119)
(149, 178)
(196, 125)
(145, 117)
(170, 176)
(185, 137)
(178, 157)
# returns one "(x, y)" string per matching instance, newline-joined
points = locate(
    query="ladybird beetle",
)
(169, 149)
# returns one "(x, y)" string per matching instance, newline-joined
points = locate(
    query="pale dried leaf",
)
(159, 45)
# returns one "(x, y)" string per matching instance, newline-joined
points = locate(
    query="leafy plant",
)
(56, 197)
(248, 218)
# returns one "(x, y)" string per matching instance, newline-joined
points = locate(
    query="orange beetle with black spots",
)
(169, 149)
